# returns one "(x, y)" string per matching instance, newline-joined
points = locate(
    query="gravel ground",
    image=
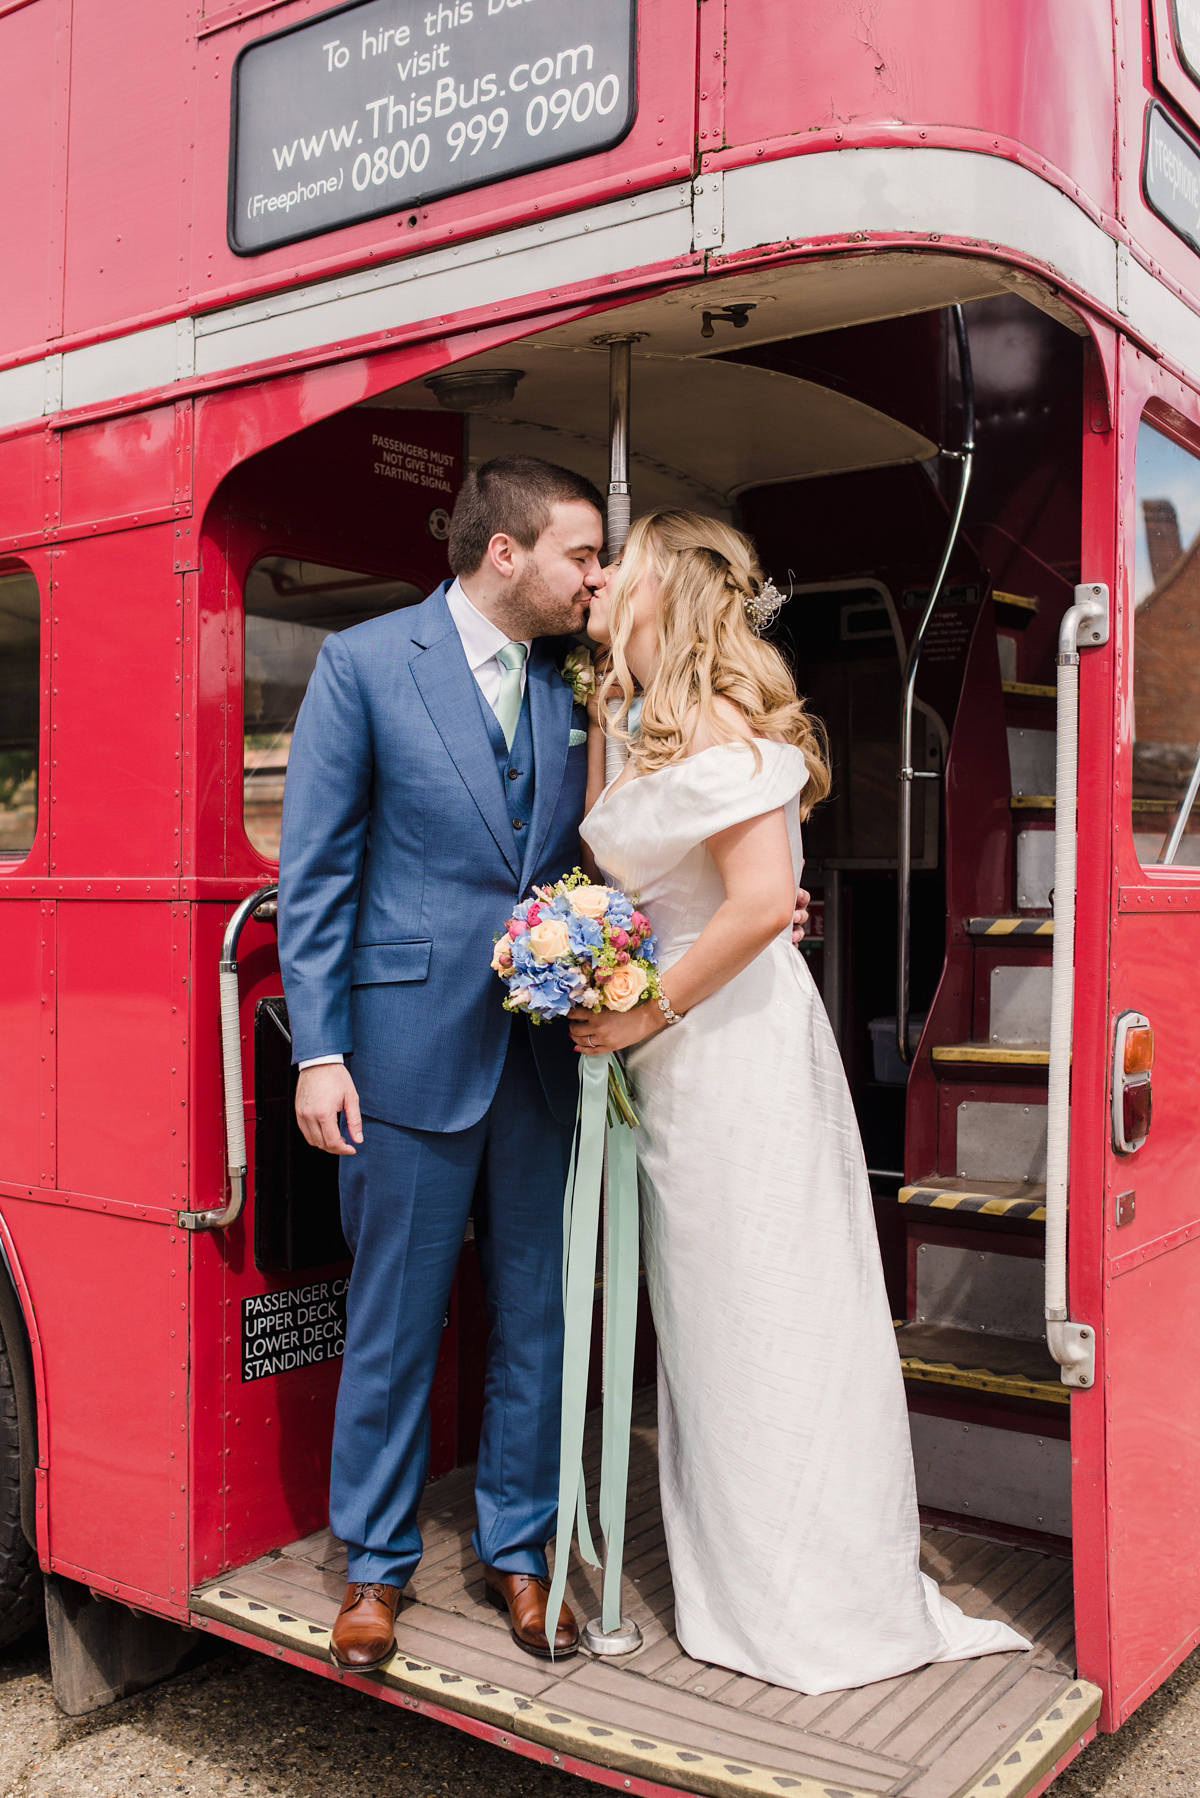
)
(248, 1725)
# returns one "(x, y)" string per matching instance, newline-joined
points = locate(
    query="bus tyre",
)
(20, 1576)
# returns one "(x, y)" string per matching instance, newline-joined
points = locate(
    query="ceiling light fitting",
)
(474, 389)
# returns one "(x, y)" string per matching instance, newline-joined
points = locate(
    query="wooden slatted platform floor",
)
(935, 1733)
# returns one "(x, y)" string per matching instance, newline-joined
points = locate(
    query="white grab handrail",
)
(1072, 1345)
(220, 1217)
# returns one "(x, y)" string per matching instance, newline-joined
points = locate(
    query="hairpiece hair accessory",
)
(763, 607)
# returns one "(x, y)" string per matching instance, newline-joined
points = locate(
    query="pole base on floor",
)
(622, 1640)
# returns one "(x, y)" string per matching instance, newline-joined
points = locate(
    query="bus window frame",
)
(36, 859)
(1172, 408)
(242, 856)
(1171, 72)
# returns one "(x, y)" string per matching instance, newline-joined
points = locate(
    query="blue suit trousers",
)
(406, 1197)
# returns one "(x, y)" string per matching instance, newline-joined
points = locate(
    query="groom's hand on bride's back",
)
(322, 1093)
(800, 915)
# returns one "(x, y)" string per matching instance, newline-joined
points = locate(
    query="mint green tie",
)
(508, 701)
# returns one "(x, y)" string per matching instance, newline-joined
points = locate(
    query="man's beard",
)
(532, 611)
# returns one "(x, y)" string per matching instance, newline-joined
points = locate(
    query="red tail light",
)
(1132, 1094)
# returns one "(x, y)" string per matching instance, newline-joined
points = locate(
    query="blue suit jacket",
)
(399, 866)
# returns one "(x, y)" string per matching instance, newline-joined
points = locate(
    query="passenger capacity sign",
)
(388, 104)
(293, 1328)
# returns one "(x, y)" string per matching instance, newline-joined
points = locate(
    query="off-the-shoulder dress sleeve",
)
(667, 813)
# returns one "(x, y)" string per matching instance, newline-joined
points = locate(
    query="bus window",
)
(1166, 653)
(291, 607)
(20, 655)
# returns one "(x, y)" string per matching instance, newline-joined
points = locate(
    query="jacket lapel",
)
(451, 698)
(551, 706)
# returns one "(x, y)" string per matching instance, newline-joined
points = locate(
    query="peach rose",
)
(624, 988)
(502, 955)
(550, 940)
(588, 902)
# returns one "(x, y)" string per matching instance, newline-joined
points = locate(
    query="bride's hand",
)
(599, 1033)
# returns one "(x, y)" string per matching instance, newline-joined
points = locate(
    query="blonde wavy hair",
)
(706, 572)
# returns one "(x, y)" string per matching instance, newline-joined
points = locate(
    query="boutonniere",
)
(579, 673)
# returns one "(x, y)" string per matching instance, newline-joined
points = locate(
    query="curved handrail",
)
(220, 1217)
(907, 773)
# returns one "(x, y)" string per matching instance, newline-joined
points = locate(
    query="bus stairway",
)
(989, 1411)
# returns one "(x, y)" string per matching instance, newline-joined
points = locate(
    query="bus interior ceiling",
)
(820, 437)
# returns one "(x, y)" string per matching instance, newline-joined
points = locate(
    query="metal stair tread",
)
(941, 1354)
(1024, 1199)
(1032, 1055)
(1011, 924)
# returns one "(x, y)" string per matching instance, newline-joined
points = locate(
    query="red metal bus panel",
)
(836, 74)
(20, 1041)
(27, 138)
(1153, 1438)
(120, 467)
(130, 126)
(108, 1294)
(28, 466)
(116, 1051)
(117, 687)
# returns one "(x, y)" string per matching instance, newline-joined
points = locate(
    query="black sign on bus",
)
(295, 1327)
(388, 104)
(1171, 175)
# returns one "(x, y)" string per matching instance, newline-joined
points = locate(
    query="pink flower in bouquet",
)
(622, 957)
(624, 988)
(641, 923)
(534, 915)
(588, 902)
(502, 956)
(516, 927)
(620, 939)
(550, 940)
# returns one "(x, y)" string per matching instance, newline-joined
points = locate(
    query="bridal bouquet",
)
(578, 944)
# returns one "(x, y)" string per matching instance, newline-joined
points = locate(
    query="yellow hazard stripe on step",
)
(559, 1728)
(939, 1200)
(1018, 1769)
(721, 1775)
(981, 1379)
(1026, 602)
(1010, 926)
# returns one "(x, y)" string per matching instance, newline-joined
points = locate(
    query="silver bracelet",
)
(664, 1005)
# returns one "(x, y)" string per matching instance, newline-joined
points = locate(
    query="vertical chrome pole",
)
(907, 774)
(618, 442)
(619, 495)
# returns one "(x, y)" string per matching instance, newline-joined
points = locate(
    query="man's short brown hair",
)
(515, 495)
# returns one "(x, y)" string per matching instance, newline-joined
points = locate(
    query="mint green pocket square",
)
(577, 737)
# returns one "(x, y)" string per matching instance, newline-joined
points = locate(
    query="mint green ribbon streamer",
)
(581, 1230)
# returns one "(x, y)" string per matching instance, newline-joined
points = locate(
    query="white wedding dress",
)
(788, 1493)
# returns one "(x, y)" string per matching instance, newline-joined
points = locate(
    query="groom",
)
(437, 772)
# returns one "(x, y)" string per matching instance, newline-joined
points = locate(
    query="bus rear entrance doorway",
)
(821, 438)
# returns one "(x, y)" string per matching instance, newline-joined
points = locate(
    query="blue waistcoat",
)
(515, 767)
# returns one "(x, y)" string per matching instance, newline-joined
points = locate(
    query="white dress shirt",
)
(480, 640)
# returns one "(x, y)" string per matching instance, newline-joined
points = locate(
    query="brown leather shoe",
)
(523, 1596)
(365, 1632)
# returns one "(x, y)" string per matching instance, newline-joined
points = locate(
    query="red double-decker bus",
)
(910, 293)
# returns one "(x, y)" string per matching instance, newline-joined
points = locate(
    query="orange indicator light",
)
(1139, 1049)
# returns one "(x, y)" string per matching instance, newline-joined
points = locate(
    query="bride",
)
(788, 1493)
